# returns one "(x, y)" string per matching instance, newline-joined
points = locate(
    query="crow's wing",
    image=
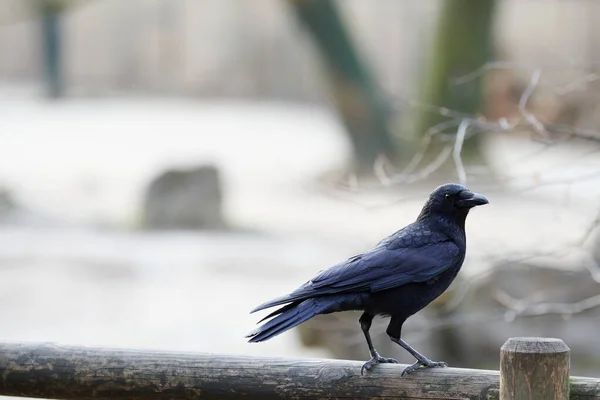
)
(413, 254)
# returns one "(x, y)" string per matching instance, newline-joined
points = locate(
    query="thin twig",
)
(578, 84)
(431, 168)
(529, 117)
(486, 67)
(458, 144)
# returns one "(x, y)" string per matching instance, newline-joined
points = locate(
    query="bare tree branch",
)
(529, 117)
(577, 85)
(527, 308)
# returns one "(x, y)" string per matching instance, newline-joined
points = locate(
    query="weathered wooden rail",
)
(531, 368)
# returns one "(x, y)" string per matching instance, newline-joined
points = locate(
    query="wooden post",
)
(534, 369)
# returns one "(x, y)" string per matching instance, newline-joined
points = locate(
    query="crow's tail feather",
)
(280, 310)
(276, 302)
(290, 316)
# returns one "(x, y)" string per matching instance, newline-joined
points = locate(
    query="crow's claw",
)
(426, 364)
(377, 360)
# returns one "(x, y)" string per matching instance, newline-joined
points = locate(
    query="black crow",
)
(400, 276)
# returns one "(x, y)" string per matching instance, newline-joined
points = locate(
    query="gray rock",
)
(185, 199)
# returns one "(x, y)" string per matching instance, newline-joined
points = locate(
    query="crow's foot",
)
(423, 364)
(377, 359)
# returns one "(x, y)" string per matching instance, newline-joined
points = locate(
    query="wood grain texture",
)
(66, 372)
(534, 368)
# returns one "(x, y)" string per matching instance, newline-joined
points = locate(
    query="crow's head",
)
(451, 202)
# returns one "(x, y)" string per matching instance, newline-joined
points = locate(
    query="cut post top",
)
(536, 345)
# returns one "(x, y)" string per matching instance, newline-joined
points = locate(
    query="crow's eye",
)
(447, 196)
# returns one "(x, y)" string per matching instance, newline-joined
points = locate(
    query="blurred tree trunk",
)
(462, 43)
(50, 12)
(360, 104)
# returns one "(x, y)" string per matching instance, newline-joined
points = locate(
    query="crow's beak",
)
(472, 200)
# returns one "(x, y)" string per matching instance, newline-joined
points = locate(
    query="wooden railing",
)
(530, 368)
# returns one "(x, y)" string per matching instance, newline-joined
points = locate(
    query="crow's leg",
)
(365, 324)
(422, 361)
(393, 330)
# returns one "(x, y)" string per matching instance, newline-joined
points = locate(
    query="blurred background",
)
(167, 165)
